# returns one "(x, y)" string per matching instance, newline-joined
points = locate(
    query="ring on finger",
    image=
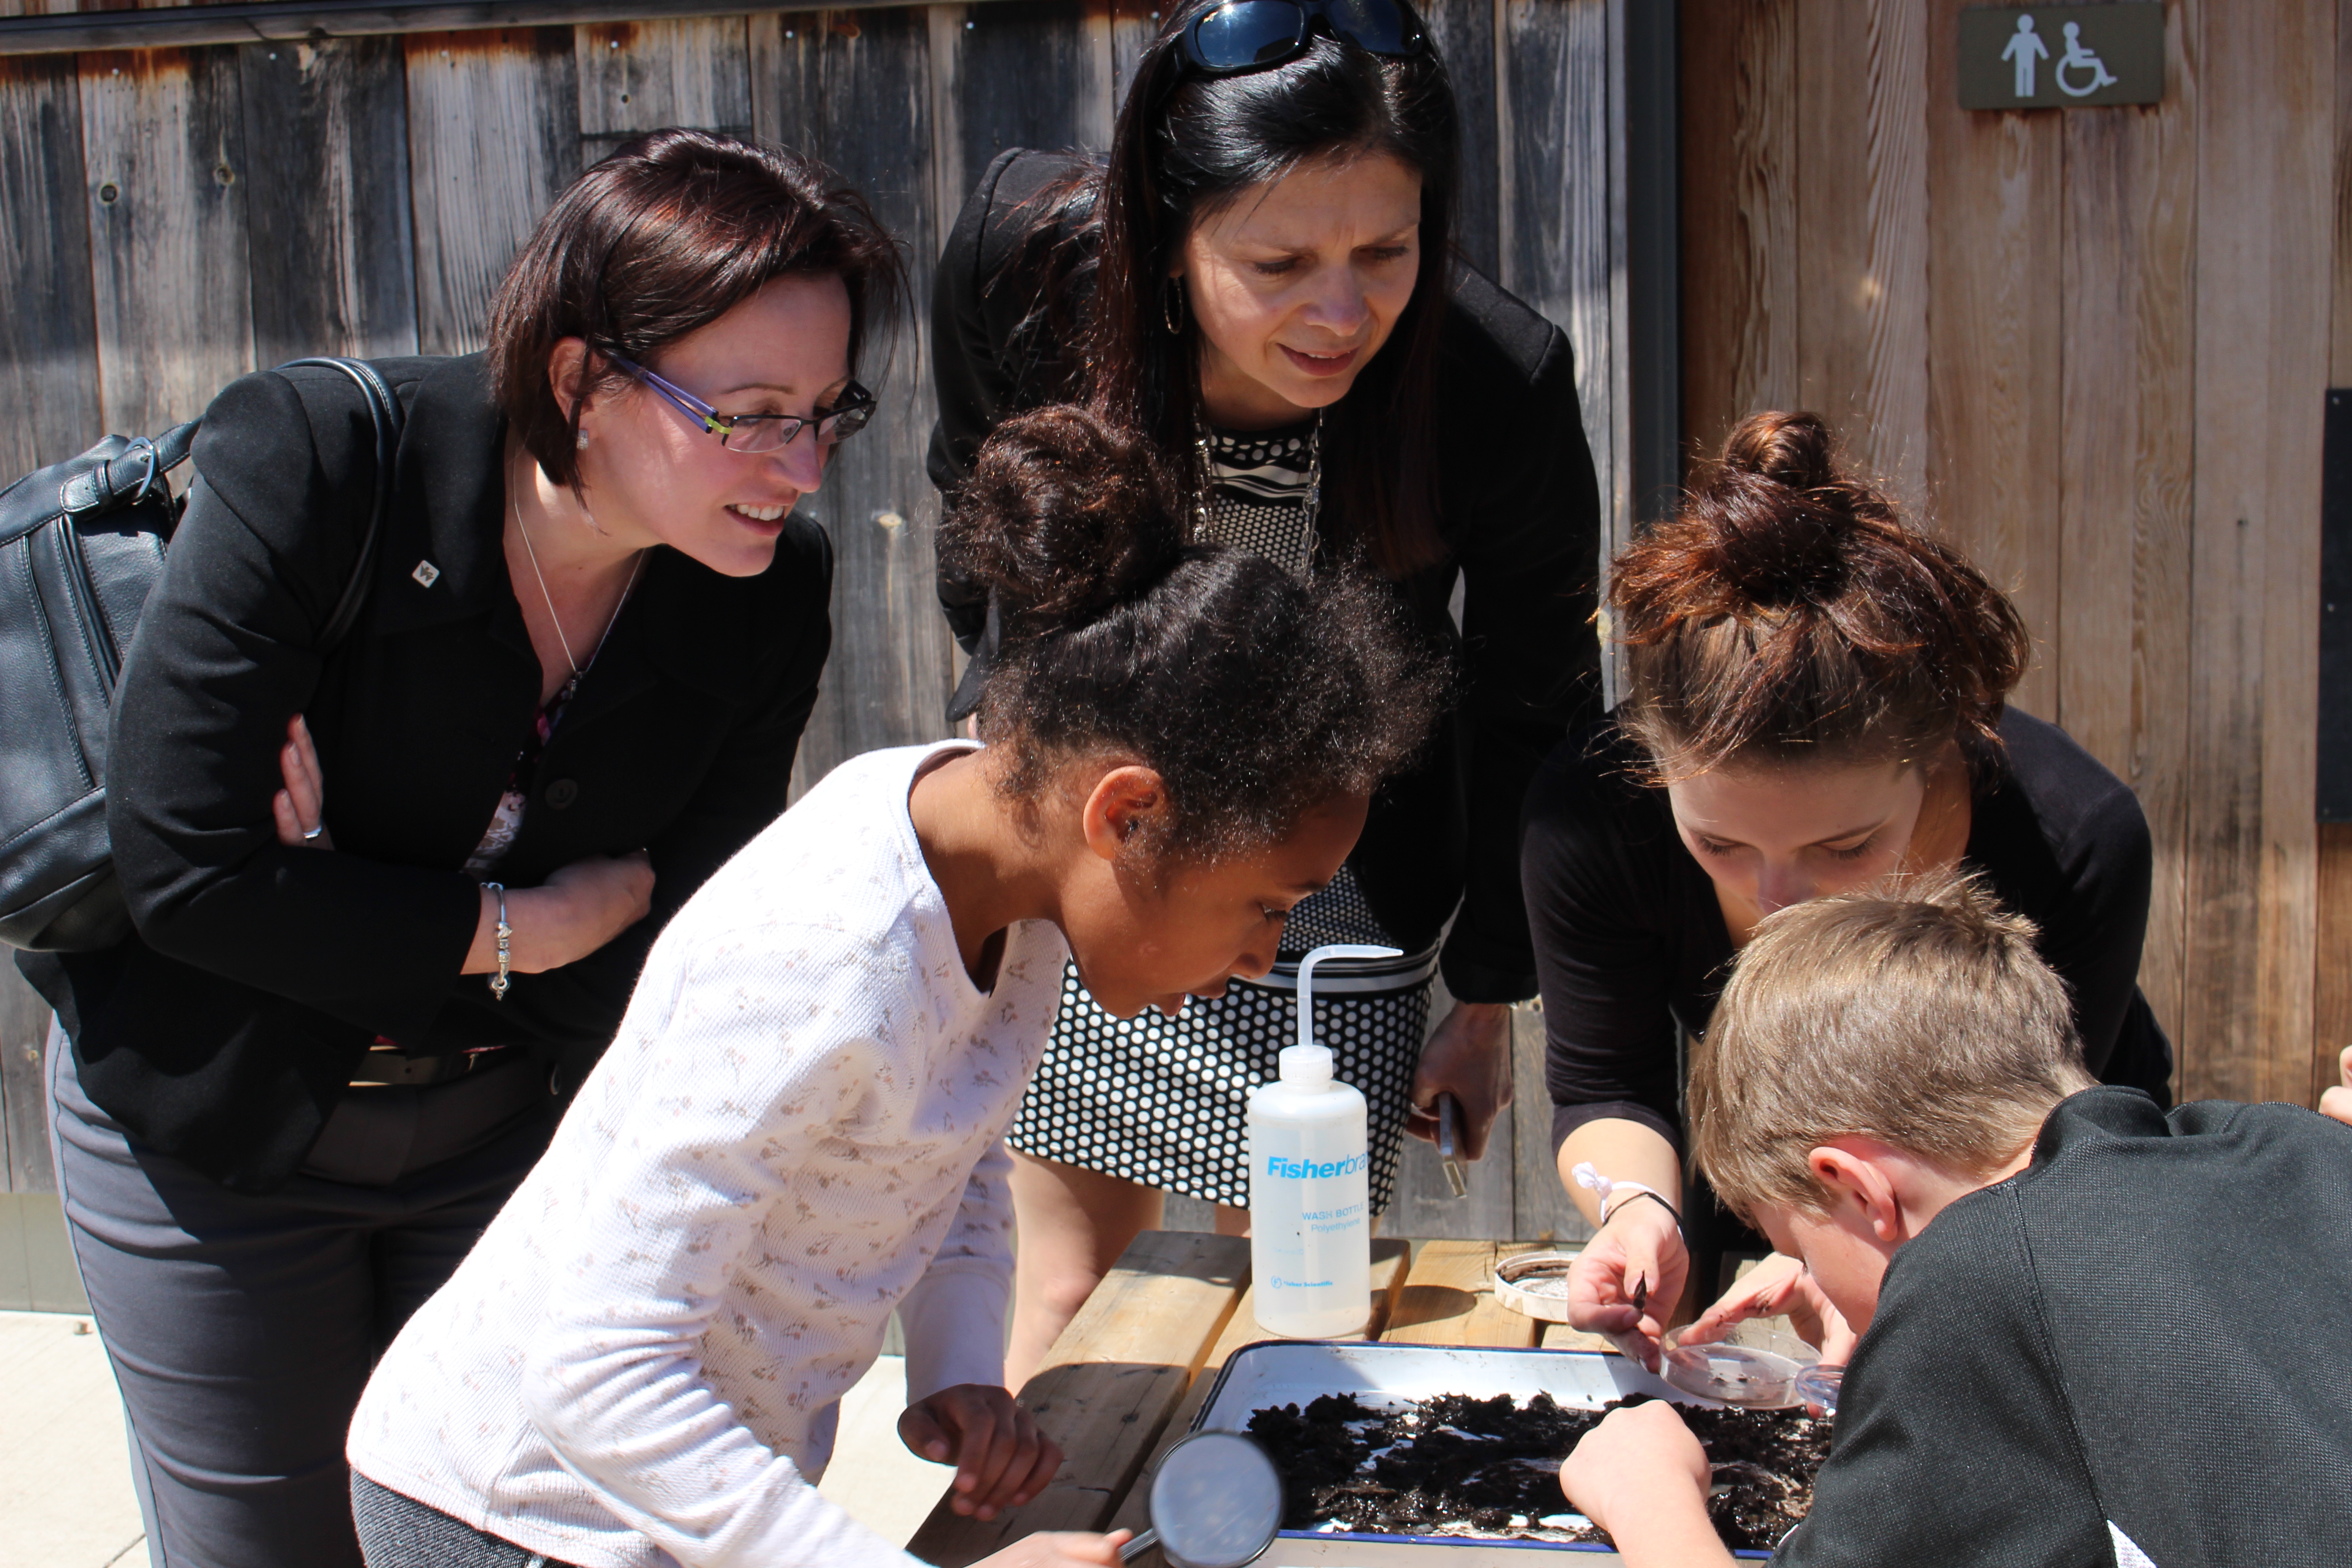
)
(310, 834)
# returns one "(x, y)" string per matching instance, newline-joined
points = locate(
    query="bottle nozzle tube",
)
(1307, 978)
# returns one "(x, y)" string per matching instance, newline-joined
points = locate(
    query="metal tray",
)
(1293, 1372)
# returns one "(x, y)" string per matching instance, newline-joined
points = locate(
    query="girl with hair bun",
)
(1817, 696)
(801, 1124)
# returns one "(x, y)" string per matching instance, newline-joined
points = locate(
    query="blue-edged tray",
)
(1294, 1372)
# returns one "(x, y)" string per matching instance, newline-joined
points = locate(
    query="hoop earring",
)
(1171, 306)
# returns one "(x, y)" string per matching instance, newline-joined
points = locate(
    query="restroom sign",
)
(2060, 56)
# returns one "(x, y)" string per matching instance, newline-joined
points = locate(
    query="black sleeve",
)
(1603, 951)
(2109, 863)
(1531, 660)
(2066, 844)
(225, 654)
(744, 790)
(1955, 1442)
(974, 385)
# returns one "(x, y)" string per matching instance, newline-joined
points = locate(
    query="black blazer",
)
(227, 1029)
(1520, 512)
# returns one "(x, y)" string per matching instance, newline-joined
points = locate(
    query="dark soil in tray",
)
(1458, 1465)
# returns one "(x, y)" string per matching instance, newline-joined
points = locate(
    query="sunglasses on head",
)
(1243, 35)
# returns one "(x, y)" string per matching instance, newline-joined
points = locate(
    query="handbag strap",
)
(384, 409)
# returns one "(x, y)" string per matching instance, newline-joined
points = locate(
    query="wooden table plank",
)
(1391, 1257)
(1561, 1337)
(1449, 1299)
(1110, 1386)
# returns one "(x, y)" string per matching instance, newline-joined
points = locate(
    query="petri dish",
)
(1732, 1374)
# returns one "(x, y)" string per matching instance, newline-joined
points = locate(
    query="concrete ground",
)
(65, 1475)
(66, 1499)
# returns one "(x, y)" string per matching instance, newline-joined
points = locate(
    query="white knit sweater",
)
(799, 1127)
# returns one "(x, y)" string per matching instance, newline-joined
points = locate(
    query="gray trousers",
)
(398, 1532)
(242, 1326)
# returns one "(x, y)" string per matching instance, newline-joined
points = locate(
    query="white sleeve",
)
(751, 1069)
(954, 1316)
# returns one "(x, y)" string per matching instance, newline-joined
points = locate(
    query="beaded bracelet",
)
(506, 932)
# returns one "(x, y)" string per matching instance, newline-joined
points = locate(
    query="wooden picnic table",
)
(1126, 1376)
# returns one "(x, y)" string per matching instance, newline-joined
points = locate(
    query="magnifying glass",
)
(1216, 1503)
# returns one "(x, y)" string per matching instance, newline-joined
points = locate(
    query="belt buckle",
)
(398, 1070)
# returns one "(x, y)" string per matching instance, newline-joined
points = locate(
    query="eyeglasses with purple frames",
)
(763, 432)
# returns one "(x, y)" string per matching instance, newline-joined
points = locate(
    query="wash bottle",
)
(1310, 1225)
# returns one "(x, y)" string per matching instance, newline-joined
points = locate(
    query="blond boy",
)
(2092, 1333)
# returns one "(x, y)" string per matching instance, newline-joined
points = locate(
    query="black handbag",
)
(81, 543)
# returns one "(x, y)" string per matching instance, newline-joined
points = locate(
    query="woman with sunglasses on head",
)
(387, 896)
(1262, 281)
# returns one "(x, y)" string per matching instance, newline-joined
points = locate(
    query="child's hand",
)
(1642, 1477)
(1002, 1460)
(1779, 1285)
(2337, 1101)
(1060, 1549)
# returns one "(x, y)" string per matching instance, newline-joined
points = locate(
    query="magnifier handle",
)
(1139, 1546)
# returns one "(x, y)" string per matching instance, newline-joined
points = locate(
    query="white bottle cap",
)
(1307, 1066)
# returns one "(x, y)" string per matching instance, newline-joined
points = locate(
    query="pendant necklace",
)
(1312, 538)
(572, 684)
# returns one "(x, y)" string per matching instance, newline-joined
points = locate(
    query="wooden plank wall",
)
(2094, 346)
(175, 218)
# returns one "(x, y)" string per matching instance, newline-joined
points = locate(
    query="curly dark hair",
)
(1786, 612)
(1254, 696)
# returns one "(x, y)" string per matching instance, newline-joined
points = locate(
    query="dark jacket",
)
(2143, 1330)
(1520, 512)
(226, 1031)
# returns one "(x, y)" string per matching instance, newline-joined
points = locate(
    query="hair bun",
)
(1777, 509)
(1793, 449)
(1786, 605)
(1064, 517)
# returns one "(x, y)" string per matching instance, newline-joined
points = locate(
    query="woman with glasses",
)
(1262, 280)
(390, 895)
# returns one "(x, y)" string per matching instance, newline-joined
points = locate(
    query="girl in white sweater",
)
(799, 1127)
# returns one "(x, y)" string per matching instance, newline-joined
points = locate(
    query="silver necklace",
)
(572, 684)
(1314, 487)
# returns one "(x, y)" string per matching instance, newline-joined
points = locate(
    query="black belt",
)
(386, 1065)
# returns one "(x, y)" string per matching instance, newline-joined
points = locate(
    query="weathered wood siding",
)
(2094, 346)
(175, 218)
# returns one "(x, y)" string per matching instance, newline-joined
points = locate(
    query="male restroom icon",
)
(2026, 49)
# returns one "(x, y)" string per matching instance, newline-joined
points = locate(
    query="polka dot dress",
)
(1160, 1102)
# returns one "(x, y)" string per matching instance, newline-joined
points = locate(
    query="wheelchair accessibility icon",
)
(2027, 49)
(2078, 57)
